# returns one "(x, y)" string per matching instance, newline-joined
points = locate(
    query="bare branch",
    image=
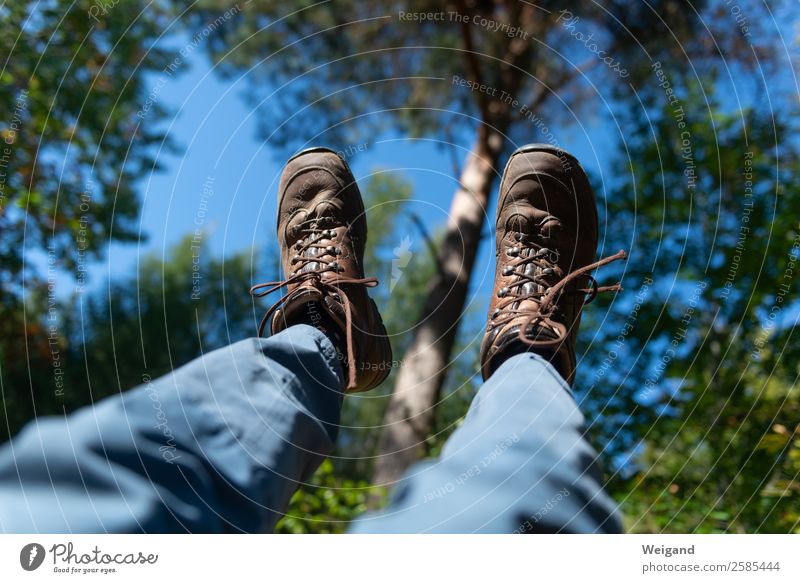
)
(428, 242)
(471, 63)
(451, 146)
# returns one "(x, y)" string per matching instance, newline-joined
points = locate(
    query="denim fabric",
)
(519, 463)
(221, 444)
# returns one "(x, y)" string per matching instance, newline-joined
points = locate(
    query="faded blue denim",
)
(221, 444)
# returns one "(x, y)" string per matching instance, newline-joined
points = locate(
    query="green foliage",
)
(701, 387)
(73, 145)
(71, 150)
(327, 503)
(168, 313)
(146, 323)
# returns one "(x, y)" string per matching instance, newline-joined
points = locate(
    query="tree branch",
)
(428, 242)
(454, 159)
(471, 63)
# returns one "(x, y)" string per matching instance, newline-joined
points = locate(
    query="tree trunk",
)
(410, 413)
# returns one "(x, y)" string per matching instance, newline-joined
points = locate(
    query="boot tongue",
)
(297, 308)
(303, 300)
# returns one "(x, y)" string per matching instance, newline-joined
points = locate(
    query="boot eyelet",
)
(508, 271)
(295, 259)
(513, 252)
(331, 250)
(502, 292)
(495, 314)
(548, 271)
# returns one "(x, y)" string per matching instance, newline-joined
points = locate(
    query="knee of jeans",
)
(46, 446)
(304, 352)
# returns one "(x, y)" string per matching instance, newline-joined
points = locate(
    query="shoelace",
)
(326, 261)
(545, 259)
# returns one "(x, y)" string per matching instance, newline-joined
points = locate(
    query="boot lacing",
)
(310, 251)
(545, 295)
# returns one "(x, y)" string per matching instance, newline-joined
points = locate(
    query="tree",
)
(72, 87)
(72, 145)
(692, 380)
(142, 325)
(159, 318)
(489, 74)
(402, 253)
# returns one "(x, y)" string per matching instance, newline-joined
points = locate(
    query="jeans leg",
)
(218, 445)
(519, 463)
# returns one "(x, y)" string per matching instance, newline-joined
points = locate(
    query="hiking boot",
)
(546, 243)
(322, 231)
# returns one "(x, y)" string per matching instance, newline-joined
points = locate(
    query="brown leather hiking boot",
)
(546, 242)
(322, 231)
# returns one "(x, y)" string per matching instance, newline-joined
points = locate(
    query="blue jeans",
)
(221, 444)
